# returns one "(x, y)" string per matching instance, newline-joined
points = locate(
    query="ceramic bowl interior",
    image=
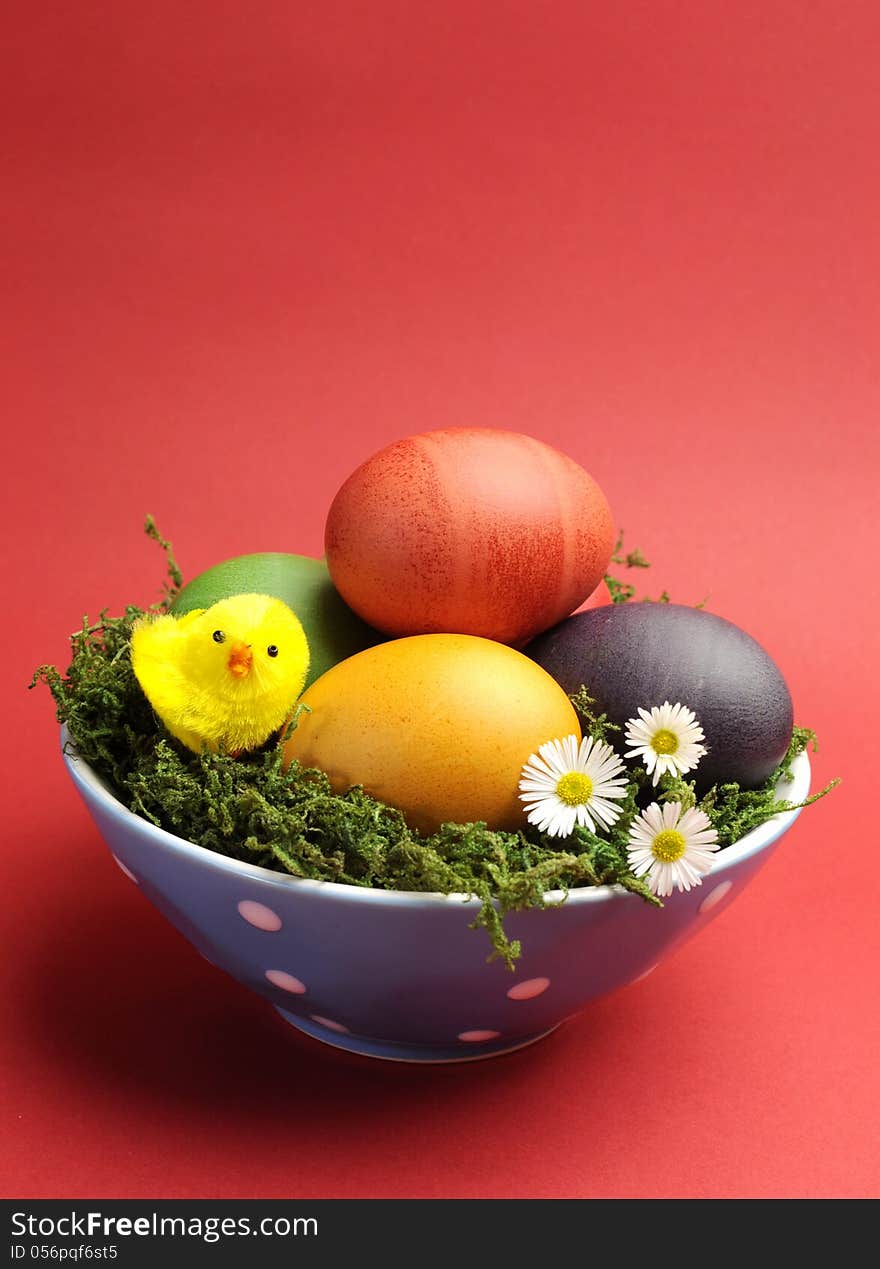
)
(402, 975)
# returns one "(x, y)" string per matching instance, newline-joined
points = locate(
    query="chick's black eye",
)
(272, 650)
(218, 636)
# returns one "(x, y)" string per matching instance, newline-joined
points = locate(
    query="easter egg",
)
(471, 531)
(439, 726)
(333, 631)
(638, 655)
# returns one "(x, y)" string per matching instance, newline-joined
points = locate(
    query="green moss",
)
(622, 592)
(597, 725)
(248, 808)
(735, 811)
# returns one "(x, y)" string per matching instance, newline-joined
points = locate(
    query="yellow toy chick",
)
(225, 676)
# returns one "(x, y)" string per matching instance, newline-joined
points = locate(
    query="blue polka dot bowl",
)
(401, 975)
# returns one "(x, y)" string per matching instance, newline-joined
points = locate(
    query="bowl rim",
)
(94, 789)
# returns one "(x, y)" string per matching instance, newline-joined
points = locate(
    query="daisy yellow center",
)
(664, 741)
(668, 846)
(575, 789)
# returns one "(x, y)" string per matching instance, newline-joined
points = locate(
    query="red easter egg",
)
(468, 531)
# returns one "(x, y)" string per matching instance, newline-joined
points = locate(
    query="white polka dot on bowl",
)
(259, 916)
(329, 1023)
(528, 989)
(287, 982)
(715, 896)
(478, 1037)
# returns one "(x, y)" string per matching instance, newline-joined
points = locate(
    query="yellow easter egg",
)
(438, 725)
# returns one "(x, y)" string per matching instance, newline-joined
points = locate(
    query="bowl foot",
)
(392, 1052)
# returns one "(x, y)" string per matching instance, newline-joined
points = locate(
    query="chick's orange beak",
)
(240, 659)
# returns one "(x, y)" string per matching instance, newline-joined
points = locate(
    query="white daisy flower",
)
(671, 848)
(667, 739)
(568, 782)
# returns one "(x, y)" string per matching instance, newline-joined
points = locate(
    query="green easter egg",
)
(334, 632)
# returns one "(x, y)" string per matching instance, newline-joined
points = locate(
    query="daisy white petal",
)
(693, 821)
(671, 814)
(671, 848)
(669, 738)
(549, 756)
(653, 819)
(572, 781)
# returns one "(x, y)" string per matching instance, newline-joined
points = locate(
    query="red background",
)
(246, 246)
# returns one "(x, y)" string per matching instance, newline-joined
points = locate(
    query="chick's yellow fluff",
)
(225, 676)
